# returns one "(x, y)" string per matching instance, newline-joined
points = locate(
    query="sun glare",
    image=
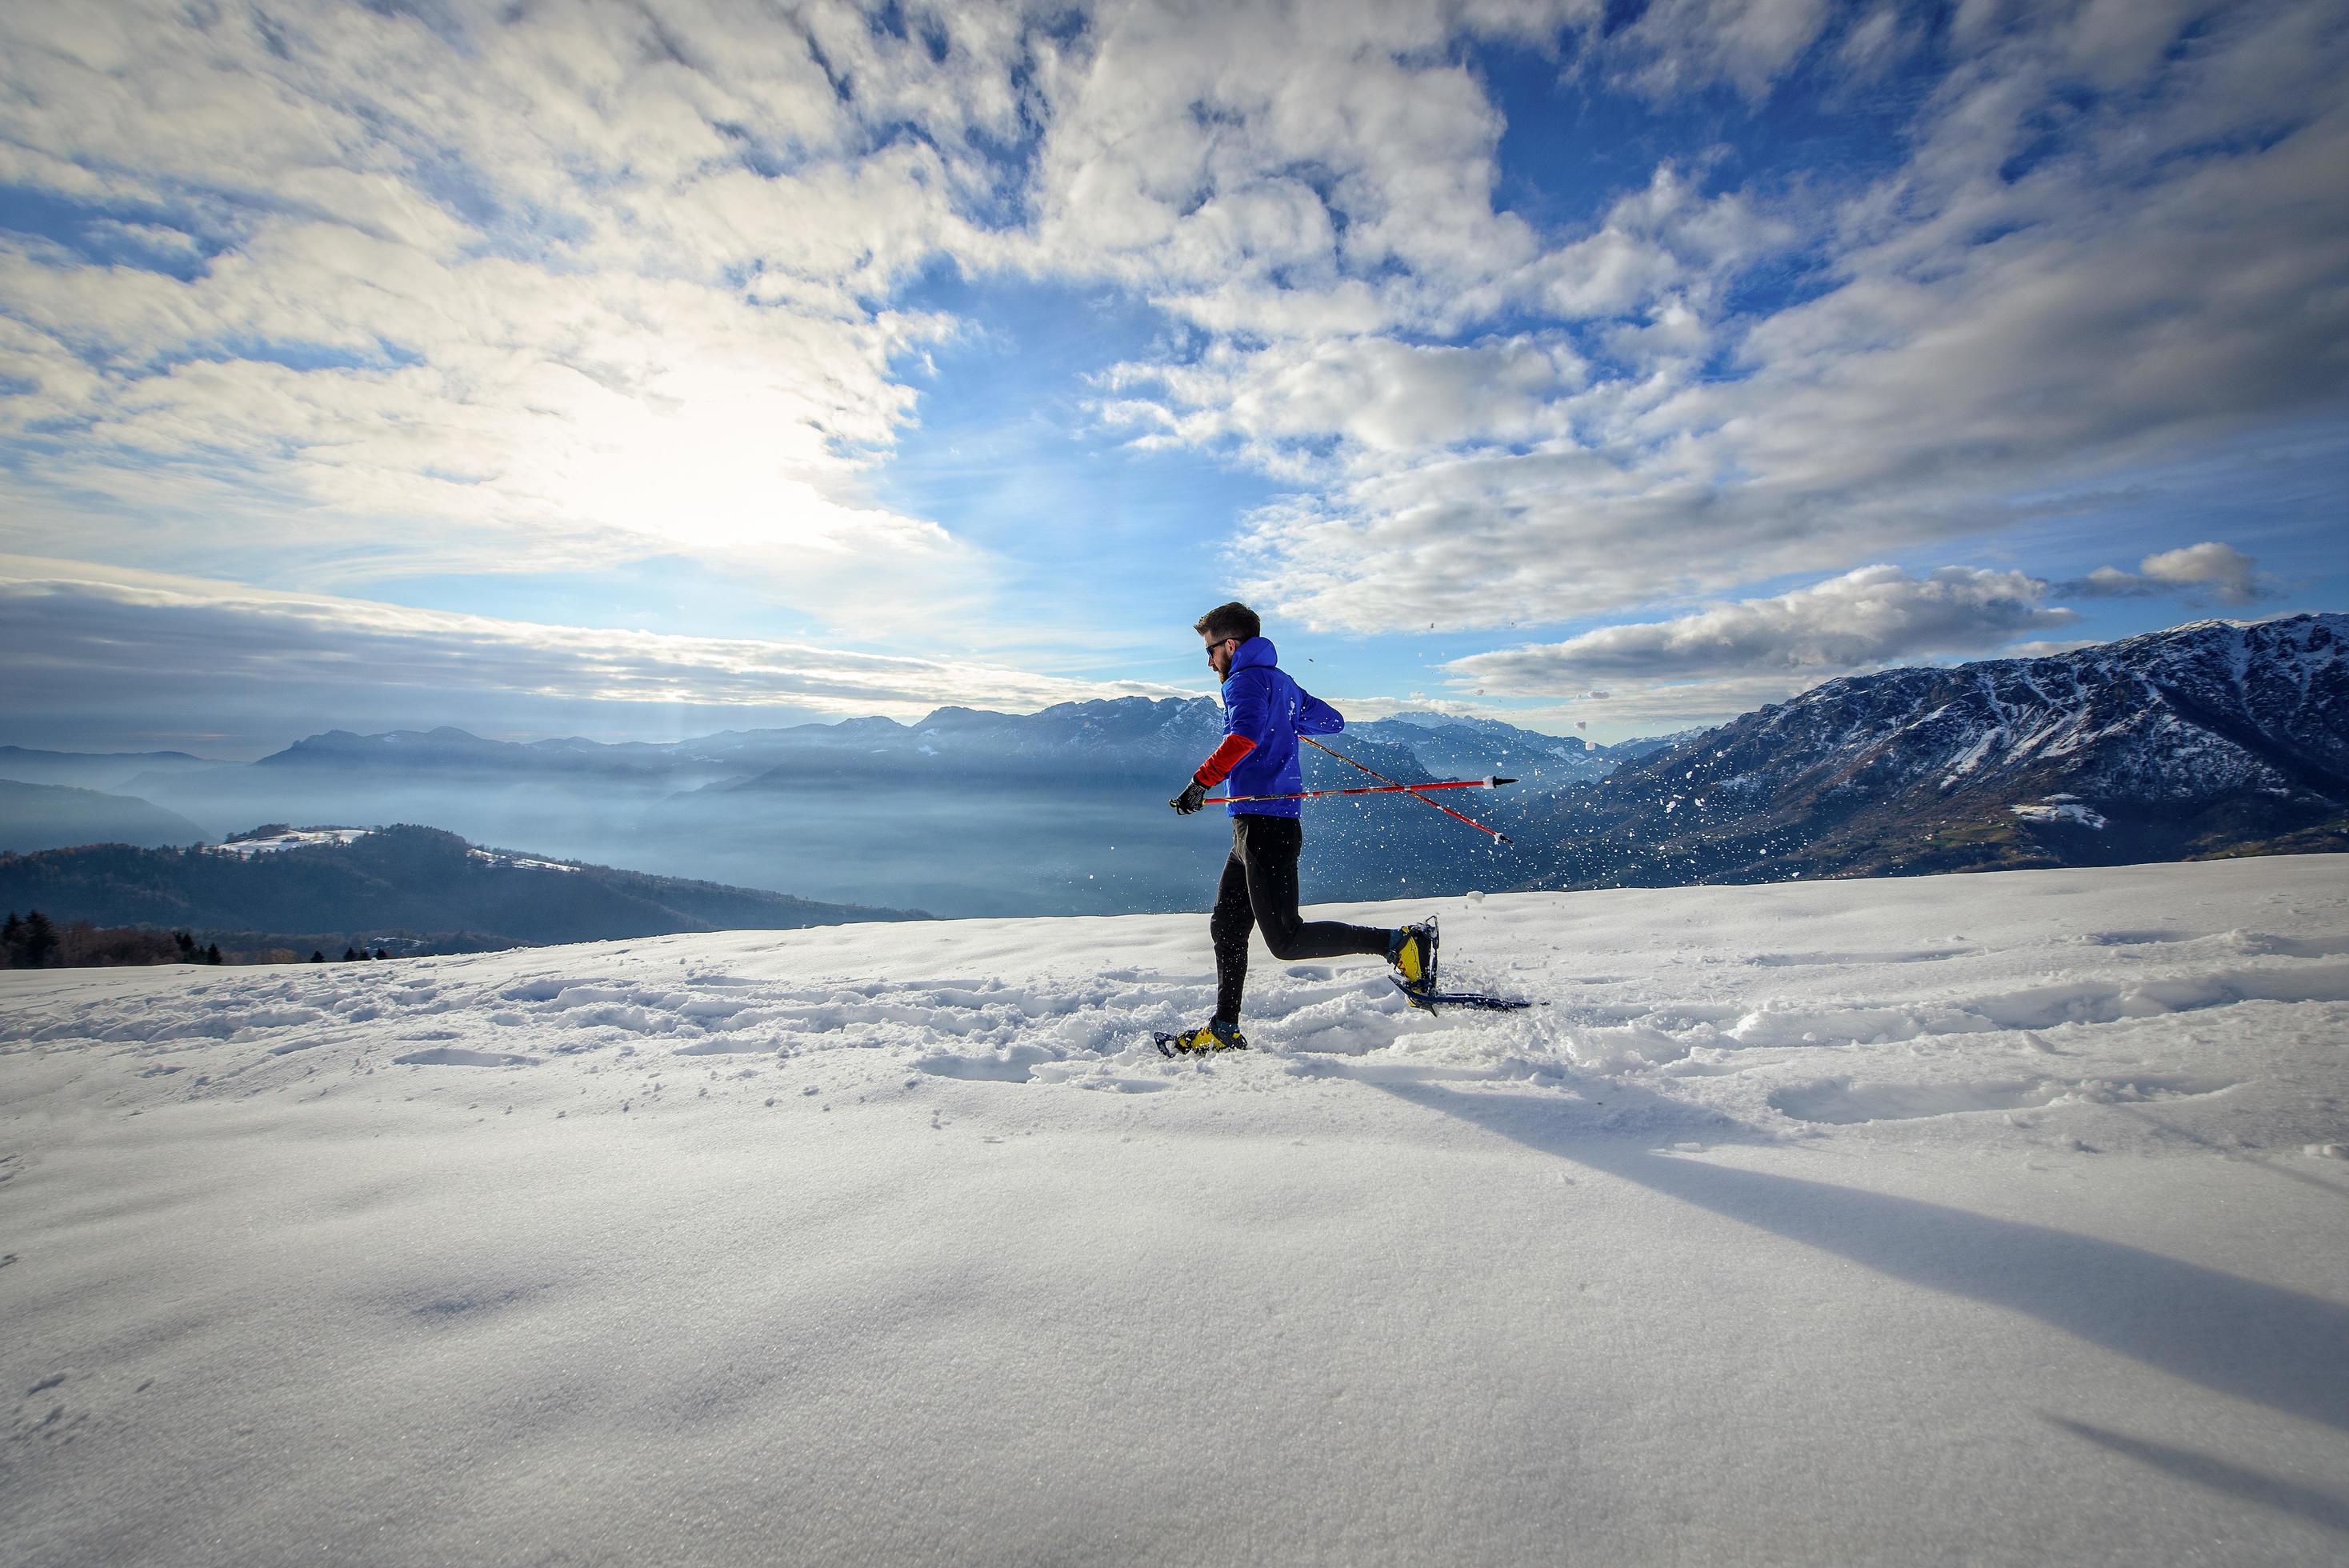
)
(711, 460)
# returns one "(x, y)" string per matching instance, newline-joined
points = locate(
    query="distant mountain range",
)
(431, 888)
(962, 812)
(1078, 746)
(2210, 738)
(1126, 737)
(43, 816)
(107, 771)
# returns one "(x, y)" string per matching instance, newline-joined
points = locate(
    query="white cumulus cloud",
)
(2053, 285)
(551, 286)
(2220, 570)
(1875, 615)
(475, 287)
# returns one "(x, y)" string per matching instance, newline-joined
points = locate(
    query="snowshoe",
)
(1211, 1036)
(1428, 1001)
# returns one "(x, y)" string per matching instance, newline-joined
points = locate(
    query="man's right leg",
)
(1228, 927)
(1267, 850)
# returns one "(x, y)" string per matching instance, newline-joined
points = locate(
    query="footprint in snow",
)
(459, 1056)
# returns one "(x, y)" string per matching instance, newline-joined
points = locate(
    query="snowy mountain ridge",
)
(2186, 714)
(2199, 739)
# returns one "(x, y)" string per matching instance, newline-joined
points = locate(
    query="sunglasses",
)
(1226, 643)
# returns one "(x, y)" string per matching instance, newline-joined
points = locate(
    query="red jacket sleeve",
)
(1223, 760)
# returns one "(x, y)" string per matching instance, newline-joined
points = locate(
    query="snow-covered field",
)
(1993, 1219)
(292, 838)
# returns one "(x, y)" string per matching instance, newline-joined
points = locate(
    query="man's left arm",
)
(1315, 717)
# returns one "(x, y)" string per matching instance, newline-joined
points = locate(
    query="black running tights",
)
(1259, 889)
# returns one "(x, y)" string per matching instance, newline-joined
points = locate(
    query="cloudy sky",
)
(642, 369)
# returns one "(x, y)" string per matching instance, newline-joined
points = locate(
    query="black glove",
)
(1191, 799)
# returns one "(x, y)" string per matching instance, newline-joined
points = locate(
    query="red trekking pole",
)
(1406, 788)
(1368, 789)
(1387, 787)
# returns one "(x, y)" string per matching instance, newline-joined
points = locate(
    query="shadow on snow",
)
(2278, 1348)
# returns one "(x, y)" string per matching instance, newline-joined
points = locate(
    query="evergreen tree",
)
(40, 938)
(12, 941)
(382, 953)
(317, 957)
(186, 945)
(212, 954)
(352, 956)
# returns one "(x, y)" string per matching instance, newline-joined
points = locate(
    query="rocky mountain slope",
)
(2207, 738)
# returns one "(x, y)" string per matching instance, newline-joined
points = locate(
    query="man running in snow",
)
(1264, 712)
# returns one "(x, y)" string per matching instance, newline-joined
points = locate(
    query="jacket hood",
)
(1255, 652)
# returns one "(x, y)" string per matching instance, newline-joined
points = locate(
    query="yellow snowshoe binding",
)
(1413, 955)
(1213, 1036)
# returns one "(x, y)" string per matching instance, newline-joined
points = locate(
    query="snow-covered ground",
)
(292, 838)
(1991, 1219)
(527, 862)
(2063, 808)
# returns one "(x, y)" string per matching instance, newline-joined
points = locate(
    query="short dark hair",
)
(1232, 620)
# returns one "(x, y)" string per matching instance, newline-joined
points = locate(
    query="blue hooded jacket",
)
(1263, 703)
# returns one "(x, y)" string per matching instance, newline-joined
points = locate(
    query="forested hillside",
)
(401, 880)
